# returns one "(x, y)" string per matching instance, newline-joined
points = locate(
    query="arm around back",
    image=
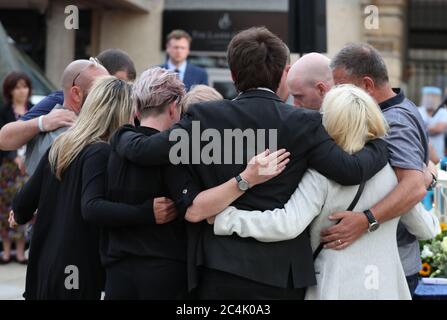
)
(334, 163)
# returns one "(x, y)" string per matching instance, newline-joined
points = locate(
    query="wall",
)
(139, 34)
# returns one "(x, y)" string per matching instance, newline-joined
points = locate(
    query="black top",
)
(6, 116)
(65, 233)
(301, 132)
(133, 184)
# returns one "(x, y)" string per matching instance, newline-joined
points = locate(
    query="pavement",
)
(12, 281)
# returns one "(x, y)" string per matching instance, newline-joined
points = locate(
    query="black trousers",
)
(413, 281)
(217, 285)
(138, 278)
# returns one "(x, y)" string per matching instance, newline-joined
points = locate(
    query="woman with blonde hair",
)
(68, 190)
(370, 268)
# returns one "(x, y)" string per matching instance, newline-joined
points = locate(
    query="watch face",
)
(243, 185)
(373, 226)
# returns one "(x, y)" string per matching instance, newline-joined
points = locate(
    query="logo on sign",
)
(225, 22)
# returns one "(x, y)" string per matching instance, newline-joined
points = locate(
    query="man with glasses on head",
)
(77, 79)
(20, 132)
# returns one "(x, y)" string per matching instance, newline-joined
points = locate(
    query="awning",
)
(131, 5)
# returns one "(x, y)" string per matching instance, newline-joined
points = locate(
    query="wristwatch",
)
(242, 184)
(373, 223)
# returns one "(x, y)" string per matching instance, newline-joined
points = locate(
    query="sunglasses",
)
(94, 61)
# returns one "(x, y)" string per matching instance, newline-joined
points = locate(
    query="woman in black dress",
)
(16, 93)
(68, 189)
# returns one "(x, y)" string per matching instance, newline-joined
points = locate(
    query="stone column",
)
(389, 37)
(344, 24)
(60, 43)
(139, 34)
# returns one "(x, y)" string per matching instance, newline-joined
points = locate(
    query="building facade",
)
(407, 32)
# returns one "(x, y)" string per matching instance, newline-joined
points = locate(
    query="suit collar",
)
(258, 93)
(187, 73)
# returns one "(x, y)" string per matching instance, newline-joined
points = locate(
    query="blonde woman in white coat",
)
(368, 269)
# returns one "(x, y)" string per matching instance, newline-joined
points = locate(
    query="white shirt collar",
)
(265, 89)
(181, 68)
(258, 88)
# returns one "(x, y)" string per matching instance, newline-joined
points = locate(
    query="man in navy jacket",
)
(177, 47)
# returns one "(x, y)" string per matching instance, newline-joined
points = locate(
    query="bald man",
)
(77, 80)
(18, 133)
(308, 80)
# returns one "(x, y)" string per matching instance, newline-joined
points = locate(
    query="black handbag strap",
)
(350, 208)
(440, 107)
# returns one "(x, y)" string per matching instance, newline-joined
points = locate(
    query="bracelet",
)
(40, 124)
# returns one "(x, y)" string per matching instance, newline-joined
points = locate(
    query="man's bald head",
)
(77, 80)
(309, 78)
(82, 73)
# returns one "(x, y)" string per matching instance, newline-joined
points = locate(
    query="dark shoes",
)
(24, 261)
(3, 260)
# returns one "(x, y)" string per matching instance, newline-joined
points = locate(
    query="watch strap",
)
(370, 216)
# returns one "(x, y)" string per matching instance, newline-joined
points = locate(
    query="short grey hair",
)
(199, 93)
(361, 60)
(155, 89)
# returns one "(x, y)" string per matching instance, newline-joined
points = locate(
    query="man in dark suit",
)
(243, 268)
(178, 43)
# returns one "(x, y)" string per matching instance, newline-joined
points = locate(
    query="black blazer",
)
(300, 131)
(136, 185)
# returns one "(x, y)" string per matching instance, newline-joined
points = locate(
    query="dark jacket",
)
(193, 75)
(134, 185)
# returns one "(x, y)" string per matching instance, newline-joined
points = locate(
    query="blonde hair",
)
(107, 107)
(352, 117)
(199, 93)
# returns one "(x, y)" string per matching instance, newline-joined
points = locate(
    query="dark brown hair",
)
(178, 34)
(361, 60)
(257, 58)
(115, 60)
(11, 81)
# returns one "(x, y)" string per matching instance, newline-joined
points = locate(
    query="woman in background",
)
(16, 93)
